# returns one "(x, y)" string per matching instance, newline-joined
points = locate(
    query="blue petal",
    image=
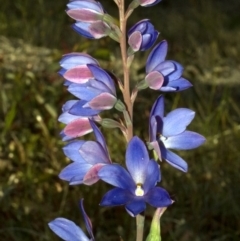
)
(67, 106)
(158, 107)
(103, 76)
(67, 230)
(176, 74)
(146, 42)
(79, 110)
(82, 29)
(176, 85)
(116, 197)
(139, 26)
(177, 121)
(96, 6)
(83, 91)
(152, 129)
(99, 85)
(62, 71)
(117, 176)
(153, 176)
(137, 159)
(86, 220)
(74, 172)
(67, 118)
(184, 141)
(166, 68)
(99, 136)
(71, 150)
(93, 153)
(173, 159)
(74, 59)
(158, 197)
(136, 207)
(157, 55)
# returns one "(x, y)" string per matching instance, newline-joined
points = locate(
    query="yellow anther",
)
(139, 191)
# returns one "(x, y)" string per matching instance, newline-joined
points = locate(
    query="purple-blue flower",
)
(142, 36)
(170, 132)
(74, 67)
(164, 75)
(89, 16)
(76, 126)
(137, 186)
(69, 231)
(88, 82)
(96, 95)
(88, 158)
(85, 10)
(92, 85)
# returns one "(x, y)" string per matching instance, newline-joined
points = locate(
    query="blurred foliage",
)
(204, 36)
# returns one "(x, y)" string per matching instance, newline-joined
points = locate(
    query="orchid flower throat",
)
(161, 137)
(139, 190)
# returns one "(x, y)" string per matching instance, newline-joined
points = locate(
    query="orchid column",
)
(135, 184)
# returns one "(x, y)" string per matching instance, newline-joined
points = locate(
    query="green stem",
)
(140, 227)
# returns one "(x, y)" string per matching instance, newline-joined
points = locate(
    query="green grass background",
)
(203, 36)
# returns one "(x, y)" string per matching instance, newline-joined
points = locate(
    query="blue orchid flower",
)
(88, 11)
(96, 95)
(137, 186)
(89, 16)
(88, 158)
(164, 75)
(69, 231)
(170, 132)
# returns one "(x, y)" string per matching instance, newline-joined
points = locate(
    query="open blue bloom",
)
(69, 231)
(142, 36)
(170, 132)
(164, 75)
(88, 158)
(137, 186)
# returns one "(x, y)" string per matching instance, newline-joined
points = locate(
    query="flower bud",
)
(141, 36)
(155, 230)
(85, 11)
(91, 20)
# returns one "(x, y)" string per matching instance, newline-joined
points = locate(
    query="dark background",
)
(203, 36)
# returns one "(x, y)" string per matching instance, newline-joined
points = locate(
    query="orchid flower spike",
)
(137, 186)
